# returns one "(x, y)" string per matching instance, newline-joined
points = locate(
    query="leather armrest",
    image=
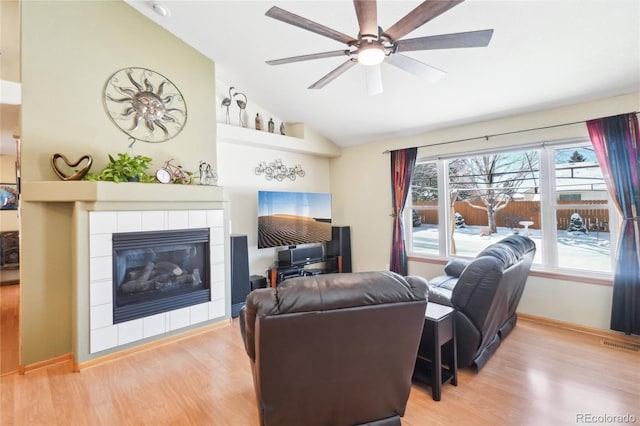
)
(440, 295)
(418, 284)
(243, 327)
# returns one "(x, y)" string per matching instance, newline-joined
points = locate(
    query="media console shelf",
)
(326, 265)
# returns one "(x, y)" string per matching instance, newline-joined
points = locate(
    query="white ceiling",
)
(543, 53)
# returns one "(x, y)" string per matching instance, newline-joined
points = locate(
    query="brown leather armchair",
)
(335, 349)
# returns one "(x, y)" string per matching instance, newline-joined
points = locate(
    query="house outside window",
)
(553, 193)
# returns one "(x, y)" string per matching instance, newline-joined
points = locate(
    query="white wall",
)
(360, 183)
(241, 186)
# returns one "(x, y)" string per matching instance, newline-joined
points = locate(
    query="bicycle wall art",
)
(279, 171)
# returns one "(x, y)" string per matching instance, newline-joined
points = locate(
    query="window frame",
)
(548, 210)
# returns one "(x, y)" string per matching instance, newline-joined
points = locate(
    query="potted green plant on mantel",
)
(124, 169)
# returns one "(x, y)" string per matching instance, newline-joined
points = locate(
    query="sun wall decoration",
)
(144, 104)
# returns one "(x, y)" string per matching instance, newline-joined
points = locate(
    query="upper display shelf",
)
(305, 140)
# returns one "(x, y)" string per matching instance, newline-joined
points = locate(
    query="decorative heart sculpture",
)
(76, 174)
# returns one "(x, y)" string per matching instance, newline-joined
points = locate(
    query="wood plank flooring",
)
(9, 328)
(540, 375)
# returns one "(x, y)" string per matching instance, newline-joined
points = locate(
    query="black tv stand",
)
(326, 265)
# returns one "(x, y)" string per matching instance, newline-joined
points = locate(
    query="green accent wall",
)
(69, 50)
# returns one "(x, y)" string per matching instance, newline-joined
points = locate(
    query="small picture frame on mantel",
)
(8, 196)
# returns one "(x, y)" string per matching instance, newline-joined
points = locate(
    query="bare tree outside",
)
(489, 182)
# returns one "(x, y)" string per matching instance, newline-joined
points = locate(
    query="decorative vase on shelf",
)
(71, 170)
(282, 131)
(271, 125)
(258, 122)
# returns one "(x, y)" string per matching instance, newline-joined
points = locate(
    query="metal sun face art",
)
(144, 104)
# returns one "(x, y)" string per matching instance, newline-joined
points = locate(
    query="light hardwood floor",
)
(9, 328)
(540, 375)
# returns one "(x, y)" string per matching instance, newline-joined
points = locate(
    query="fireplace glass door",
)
(159, 271)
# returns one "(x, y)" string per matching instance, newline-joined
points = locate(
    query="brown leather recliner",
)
(335, 349)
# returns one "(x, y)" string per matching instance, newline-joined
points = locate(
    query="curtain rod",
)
(486, 137)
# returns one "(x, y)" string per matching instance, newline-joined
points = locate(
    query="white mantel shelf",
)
(87, 191)
(260, 139)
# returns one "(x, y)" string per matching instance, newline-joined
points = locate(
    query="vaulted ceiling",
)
(543, 53)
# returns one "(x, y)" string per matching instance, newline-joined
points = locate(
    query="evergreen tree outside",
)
(576, 157)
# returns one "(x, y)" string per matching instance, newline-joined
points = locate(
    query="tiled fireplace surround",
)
(96, 210)
(102, 224)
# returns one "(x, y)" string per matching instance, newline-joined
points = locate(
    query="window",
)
(554, 194)
(581, 207)
(424, 197)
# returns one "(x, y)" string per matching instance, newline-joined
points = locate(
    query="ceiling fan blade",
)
(374, 80)
(333, 74)
(416, 67)
(419, 16)
(446, 41)
(308, 57)
(367, 13)
(304, 23)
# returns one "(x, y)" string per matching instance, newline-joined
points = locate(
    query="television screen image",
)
(293, 218)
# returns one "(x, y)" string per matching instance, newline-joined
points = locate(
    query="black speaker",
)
(299, 255)
(240, 282)
(340, 245)
(258, 281)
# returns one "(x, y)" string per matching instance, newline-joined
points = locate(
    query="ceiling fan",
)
(375, 45)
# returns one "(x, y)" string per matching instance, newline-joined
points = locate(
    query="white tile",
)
(179, 318)
(178, 219)
(101, 316)
(199, 313)
(129, 331)
(103, 338)
(217, 290)
(154, 325)
(102, 222)
(217, 272)
(217, 236)
(154, 220)
(217, 254)
(216, 309)
(100, 245)
(215, 218)
(197, 219)
(100, 293)
(100, 269)
(129, 221)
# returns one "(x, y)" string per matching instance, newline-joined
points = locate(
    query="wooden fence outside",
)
(517, 211)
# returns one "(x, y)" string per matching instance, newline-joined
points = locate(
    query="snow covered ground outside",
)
(576, 250)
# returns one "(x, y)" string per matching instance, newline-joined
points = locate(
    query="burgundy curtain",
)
(402, 164)
(616, 141)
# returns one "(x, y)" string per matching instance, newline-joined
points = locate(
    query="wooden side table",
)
(438, 333)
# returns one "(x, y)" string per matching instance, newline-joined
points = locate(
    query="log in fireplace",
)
(159, 271)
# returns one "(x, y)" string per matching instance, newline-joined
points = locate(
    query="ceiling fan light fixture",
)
(371, 54)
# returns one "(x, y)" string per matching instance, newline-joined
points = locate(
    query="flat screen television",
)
(293, 218)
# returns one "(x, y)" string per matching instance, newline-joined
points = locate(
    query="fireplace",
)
(159, 271)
